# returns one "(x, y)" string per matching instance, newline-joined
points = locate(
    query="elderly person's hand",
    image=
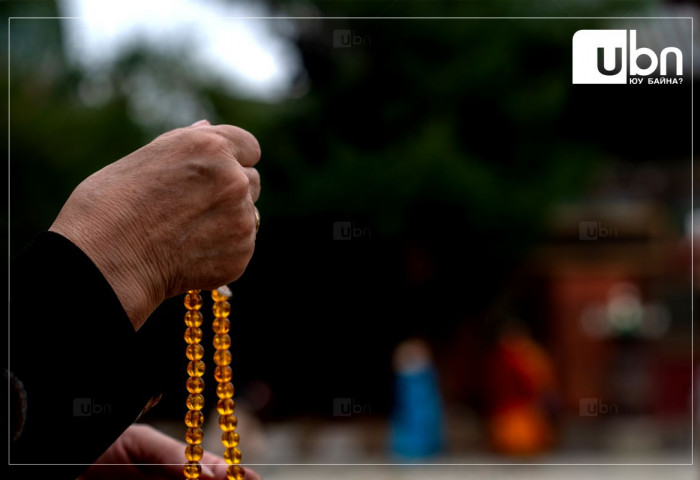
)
(144, 453)
(176, 214)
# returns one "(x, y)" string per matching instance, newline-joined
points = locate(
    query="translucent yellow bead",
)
(221, 309)
(222, 358)
(194, 418)
(232, 455)
(195, 385)
(193, 335)
(192, 470)
(195, 368)
(195, 352)
(221, 325)
(235, 472)
(193, 318)
(194, 453)
(194, 436)
(224, 390)
(230, 439)
(217, 297)
(193, 301)
(223, 374)
(221, 341)
(195, 401)
(225, 406)
(228, 423)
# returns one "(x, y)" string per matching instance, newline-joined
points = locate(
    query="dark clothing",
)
(80, 375)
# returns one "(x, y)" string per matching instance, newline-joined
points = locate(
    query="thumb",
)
(199, 123)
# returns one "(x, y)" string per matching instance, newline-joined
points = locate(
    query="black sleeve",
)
(75, 355)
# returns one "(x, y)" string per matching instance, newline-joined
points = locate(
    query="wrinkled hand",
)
(177, 214)
(144, 453)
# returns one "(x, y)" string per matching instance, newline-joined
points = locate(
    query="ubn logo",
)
(346, 407)
(87, 407)
(350, 38)
(592, 407)
(601, 56)
(595, 231)
(348, 231)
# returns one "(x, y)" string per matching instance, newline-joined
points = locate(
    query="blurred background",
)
(463, 258)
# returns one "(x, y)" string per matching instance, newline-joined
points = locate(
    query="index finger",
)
(245, 146)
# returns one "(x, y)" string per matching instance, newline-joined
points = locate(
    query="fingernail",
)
(200, 122)
(206, 471)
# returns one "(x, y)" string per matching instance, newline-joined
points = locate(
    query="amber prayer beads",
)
(194, 419)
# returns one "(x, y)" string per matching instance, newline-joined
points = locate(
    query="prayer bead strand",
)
(194, 419)
(224, 389)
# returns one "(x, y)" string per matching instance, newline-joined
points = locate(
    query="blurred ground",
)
(478, 472)
(304, 449)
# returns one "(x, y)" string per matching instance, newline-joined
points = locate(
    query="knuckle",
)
(249, 148)
(248, 223)
(244, 183)
(204, 141)
(244, 141)
(213, 143)
(208, 162)
(236, 182)
(254, 146)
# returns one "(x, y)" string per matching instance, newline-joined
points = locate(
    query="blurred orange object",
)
(520, 430)
(520, 389)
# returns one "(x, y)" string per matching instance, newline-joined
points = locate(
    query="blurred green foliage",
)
(422, 120)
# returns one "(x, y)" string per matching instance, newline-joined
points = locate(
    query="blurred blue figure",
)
(417, 420)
